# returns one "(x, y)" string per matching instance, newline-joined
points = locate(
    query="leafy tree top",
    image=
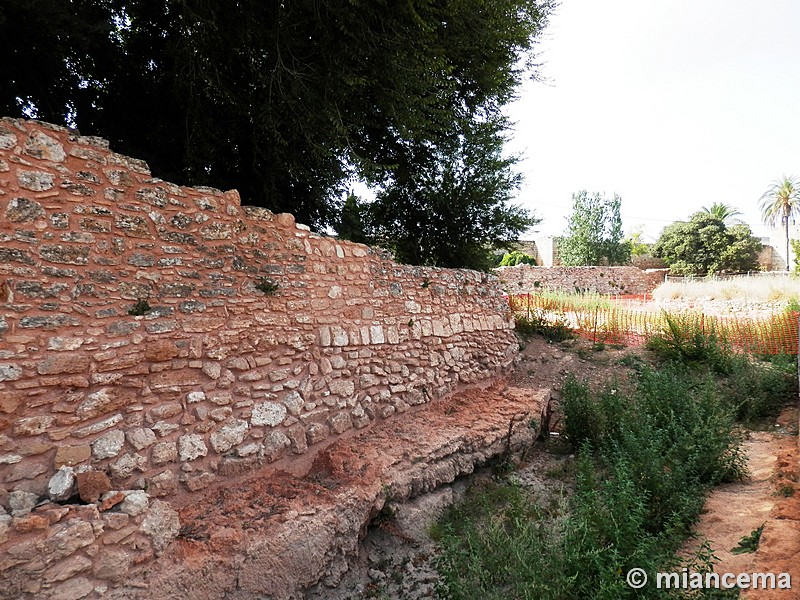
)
(704, 244)
(594, 232)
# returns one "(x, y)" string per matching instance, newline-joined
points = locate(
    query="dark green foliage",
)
(515, 257)
(536, 321)
(645, 460)
(754, 388)
(140, 308)
(748, 543)
(594, 232)
(285, 101)
(689, 338)
(705, 244)
(267, 286)
(450, 205)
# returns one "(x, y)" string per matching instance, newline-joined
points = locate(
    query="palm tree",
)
(724, 212)
(780, 203)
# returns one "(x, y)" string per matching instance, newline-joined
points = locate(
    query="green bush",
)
(644, 462)
(691, 338)
(511, 259)
(536, 321)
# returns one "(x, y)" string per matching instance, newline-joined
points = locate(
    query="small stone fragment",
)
(62, 484)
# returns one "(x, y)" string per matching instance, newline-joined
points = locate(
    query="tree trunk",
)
(787, 242)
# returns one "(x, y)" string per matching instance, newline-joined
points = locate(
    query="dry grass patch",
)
(761, 288)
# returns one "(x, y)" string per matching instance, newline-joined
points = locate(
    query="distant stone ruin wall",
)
(603, 280)
(262, 339)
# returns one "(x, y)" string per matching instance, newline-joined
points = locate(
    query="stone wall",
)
(523, 279)
(259, 341)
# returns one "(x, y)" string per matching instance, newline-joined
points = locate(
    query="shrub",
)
(511, 259)
(554, 328)
(644, 462)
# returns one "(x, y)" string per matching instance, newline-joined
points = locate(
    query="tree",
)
(780, 203)
(704, 244)
(450, 206)
(516, 257)
(636, 242)
(286, 101)
(724, 212)
(594, 232)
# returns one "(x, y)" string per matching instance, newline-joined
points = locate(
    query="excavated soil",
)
(770, 496)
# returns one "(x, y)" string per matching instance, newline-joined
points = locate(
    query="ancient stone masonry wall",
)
(523, 279)
(262, 340)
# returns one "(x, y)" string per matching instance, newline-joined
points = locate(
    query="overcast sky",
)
(672, 104)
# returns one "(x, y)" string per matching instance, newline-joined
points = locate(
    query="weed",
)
(140, 308)
(749, 543)
(785, 490)
(425, 283)
(266, 286)
(644, 462)
(554, 328)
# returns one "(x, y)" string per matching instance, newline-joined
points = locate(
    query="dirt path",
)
(769, 497)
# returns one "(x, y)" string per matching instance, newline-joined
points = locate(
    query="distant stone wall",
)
(603, 280)
(263, 340)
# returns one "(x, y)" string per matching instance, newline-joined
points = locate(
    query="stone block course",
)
(217, 376)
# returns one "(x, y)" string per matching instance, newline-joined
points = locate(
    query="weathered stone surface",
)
(135, 503)
(65, 539)
(97, 427)
(21, 503)
(61, 485)
(164, 452)
(69, 567)
(228, 436)
(160, 350)
(108, 445)
(193, 397)
(342, 387)
(127, 464)
(23, 210)
(68, 255)
(92, 485)
(40, 145)
(162, 524)
(63, 363)
(191, 447)
(141, 438)
(163, 484)
(99, 402)
(317, 432)
(33, 425)
(73, 589)
(268, 413)
(10, 372)
(341, 422)
(72, 455)
(275, 445)
(112, 564)
(36, 181)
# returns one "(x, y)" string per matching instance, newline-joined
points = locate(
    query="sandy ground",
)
(769, 497)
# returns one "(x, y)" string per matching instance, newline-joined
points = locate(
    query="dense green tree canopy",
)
(705, 245)
(450, 206)
(594, 232)
(284, 100)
